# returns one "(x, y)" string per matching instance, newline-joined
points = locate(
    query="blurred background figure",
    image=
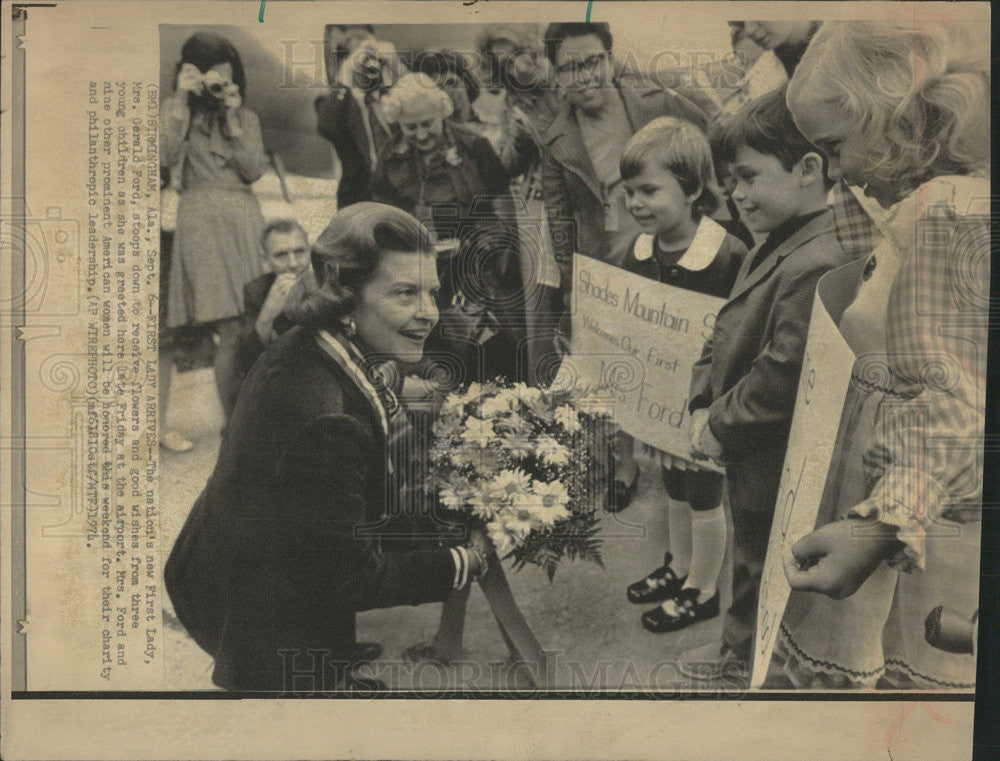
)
(339, 41)
(451, 180)
(213, 143)
(449, 71)
(351, 115)
(787, 39)
(286, 256)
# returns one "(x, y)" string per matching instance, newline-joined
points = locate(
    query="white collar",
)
(708, 239)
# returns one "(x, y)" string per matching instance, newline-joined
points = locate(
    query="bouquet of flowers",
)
(531, 464)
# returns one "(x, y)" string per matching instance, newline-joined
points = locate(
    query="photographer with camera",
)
(351, 116)
(212, 143)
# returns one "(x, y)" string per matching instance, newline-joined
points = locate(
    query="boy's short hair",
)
(681, 148)
(557, 33)
(765, 125)
(281, 225)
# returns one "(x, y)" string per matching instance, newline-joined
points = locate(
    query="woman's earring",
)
(350, 328)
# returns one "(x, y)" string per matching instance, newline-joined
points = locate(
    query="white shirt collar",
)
(708, 239)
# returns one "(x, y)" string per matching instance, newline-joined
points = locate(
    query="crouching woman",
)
(281, 549)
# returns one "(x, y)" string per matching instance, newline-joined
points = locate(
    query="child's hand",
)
(696, 424)
(709, 445)
(837, 558)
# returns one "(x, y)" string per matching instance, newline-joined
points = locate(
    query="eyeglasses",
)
(587, 66)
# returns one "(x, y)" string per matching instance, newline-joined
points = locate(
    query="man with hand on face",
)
(286, 252)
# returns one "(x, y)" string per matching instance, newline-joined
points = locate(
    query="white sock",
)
(679, 526)
(708, 550)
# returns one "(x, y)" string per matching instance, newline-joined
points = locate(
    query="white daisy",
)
(550, 495)
(500, 537)
(477, 431)
(568, 418)
(552, 452)
(455, 493)
(508, 482)
(518, 445)
(484, 505)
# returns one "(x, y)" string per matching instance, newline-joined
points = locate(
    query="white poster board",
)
(826, 374)
(639, 339)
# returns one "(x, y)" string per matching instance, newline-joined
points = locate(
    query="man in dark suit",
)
(286, 250)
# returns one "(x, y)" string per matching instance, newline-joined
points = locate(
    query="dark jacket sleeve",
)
(762, 401)
(324, 479)
(330, 114)
(250, 346)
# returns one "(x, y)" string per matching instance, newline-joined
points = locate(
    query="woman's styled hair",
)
(924, 90)
(346, 256)
(765, 125)
(206, 50)
(415, 90)
(436, 63)
(682, 149)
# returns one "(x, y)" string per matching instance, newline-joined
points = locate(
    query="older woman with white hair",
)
(452, 180)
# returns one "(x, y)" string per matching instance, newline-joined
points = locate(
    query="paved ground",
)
(582, 619)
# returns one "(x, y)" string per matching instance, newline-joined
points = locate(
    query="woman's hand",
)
(233, 128)
(479, 549)
(190, 81)
(479, 539)
(837, 558)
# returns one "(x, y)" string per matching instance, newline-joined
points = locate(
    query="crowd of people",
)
(837, 142)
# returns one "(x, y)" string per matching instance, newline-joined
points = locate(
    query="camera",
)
(216, 84)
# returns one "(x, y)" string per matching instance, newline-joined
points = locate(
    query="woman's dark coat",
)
(280, 550)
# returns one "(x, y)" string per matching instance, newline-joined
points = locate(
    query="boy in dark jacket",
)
(744, 386)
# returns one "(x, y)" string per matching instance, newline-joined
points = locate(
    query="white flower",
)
(536, 402)
(552, 452)
(518, 523)
(550, 495)
(455, 493)
(455, 400)
(484, 505)
(509, 482)
(494, 407)
(444, 427)
(500, 537)
(477, 431)
(544, 510)
(518, 445)
(568, 418)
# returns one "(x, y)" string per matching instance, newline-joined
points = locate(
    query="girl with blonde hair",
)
(902, 110)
